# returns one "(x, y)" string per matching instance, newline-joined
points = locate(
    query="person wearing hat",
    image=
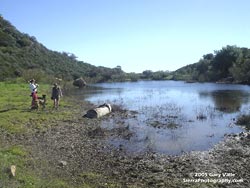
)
(56, 94)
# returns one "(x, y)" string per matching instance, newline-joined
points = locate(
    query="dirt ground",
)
(76, 150)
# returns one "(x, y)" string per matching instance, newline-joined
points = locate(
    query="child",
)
(33, 86)
(33, 89)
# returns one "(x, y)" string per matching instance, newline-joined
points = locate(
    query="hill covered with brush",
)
(21, 55)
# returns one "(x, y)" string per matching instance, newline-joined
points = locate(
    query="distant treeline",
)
(22, 56)
(230, 64)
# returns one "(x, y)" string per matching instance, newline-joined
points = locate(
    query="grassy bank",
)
(15, 115)
(17, 120)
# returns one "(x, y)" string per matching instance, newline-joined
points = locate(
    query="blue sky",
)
(138, 35)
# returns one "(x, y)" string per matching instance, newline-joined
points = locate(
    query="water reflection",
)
(227, 101)
(172, 117)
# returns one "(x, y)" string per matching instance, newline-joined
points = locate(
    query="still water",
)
(173, 116)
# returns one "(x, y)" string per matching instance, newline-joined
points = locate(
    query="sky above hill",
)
(137, 35)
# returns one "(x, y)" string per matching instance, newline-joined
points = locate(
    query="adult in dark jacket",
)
(56, 94)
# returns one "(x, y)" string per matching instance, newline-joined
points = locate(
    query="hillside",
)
(22, 55)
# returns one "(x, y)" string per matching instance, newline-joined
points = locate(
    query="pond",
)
(173, 116)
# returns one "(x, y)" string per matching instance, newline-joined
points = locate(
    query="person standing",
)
(33, 86)
(33, 90)
(56, 94)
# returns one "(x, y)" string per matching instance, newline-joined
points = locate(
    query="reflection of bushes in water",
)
(226, 100)
(244, 120)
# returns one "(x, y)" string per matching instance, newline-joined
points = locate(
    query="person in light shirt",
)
(33, 86)
(33, 90)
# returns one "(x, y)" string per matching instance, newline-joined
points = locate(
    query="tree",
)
(209, 56)
(224, 60)
(147, 74)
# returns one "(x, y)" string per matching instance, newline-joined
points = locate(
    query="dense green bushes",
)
(230, 64)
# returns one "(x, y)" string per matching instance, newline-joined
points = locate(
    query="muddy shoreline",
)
(76, 151)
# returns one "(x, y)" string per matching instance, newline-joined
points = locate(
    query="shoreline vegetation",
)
(60, 148)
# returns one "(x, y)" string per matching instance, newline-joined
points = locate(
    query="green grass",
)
(15, 155)
(15, 115)
(25, 177)
(16, 118)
